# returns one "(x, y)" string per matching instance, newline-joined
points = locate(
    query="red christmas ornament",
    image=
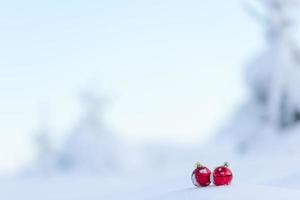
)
(222, 175)
(201, 175)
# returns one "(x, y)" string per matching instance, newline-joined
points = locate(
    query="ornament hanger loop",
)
(226, 164)
(198, 165)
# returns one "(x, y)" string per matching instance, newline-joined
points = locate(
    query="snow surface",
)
(175, 185)
(235, 191)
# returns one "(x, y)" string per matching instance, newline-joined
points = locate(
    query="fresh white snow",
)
(235, 191)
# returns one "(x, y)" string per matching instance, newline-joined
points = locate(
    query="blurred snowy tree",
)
(274, 75)
(44, 144)
(90, 146)
(45, 150)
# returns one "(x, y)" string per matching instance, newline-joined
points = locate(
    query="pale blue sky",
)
(173, 69)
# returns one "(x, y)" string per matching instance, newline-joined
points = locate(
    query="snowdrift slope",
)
(236, 191)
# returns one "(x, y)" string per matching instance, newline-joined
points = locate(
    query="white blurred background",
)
(99, 91)
(168, 70)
